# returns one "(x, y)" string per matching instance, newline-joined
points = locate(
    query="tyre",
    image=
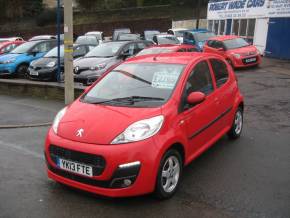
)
(22, 70)
(237, 126)
(169, 174)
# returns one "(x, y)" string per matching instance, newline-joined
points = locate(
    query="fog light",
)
(127, 182)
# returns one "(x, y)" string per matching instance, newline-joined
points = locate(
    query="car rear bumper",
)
(111, 181)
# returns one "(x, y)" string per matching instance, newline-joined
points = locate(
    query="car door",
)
(225, 89)
(199, 120)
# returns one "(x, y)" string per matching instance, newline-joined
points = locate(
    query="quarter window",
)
(220, 71)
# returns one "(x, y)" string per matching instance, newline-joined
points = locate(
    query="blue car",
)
(197, 37)
(17, 61)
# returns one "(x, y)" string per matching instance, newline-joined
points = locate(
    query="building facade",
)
(265, 23)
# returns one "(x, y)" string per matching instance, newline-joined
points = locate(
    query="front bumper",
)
(42, 74)
(240, 62)
(7, 69)
(111, 181)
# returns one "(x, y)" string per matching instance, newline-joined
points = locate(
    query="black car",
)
(90, 67)
(45, 68)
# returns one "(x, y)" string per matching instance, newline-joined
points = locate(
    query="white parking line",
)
(23, 150)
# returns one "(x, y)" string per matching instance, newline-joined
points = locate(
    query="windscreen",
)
(105, 50)
(167, 40)
(200, 37)
(154, 51)
(24, 48)
(136, 85)
(235, 43)
(53, 52)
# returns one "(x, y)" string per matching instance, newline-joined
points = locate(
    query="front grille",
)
(96, 161)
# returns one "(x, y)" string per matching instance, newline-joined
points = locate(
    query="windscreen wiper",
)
(130, 99)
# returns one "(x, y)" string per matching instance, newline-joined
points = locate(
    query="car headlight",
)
(140, 130)
(99, 67)
(9, 61)
(236, 55)
(51, 64)
(57, 119)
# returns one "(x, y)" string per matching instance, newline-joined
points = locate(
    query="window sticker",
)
(164, 79)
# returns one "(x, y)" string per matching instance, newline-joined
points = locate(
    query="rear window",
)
(220, 71)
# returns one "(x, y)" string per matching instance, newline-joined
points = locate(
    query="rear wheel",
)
(237, 126)
(169, 174)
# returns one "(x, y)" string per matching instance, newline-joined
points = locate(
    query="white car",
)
(98, 34)
(178, 32)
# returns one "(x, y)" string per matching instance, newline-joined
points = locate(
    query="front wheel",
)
(169, 174)
(237, 126)
(22, 70)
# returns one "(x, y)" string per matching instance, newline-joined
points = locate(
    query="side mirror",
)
(195, 98)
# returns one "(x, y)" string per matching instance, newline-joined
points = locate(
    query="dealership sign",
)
(234, 9)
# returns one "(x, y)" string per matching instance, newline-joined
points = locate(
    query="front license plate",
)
(250, 60)
(33, 73)
(74, 167)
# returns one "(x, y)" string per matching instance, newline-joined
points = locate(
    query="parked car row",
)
(93, 55)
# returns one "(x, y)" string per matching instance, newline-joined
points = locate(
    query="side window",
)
(218, 44)
(42, 47)
(220, 71)
(199, 80)
(80, 51)
(213, 44)
(210, 43)
(91, 48)
(170, 32)
(129, 49)
(191, 50)
(139, 46)
(181, 50)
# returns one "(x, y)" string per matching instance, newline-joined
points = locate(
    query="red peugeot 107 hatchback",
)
(134, 129)
(235, 50)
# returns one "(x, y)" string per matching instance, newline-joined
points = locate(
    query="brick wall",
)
(137, 26)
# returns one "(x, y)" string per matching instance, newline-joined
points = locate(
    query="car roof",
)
(94, 32)
(198, 31)
(170, 58)
(165, 35)
(223, 38)
(178, 29)
(173, 46)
